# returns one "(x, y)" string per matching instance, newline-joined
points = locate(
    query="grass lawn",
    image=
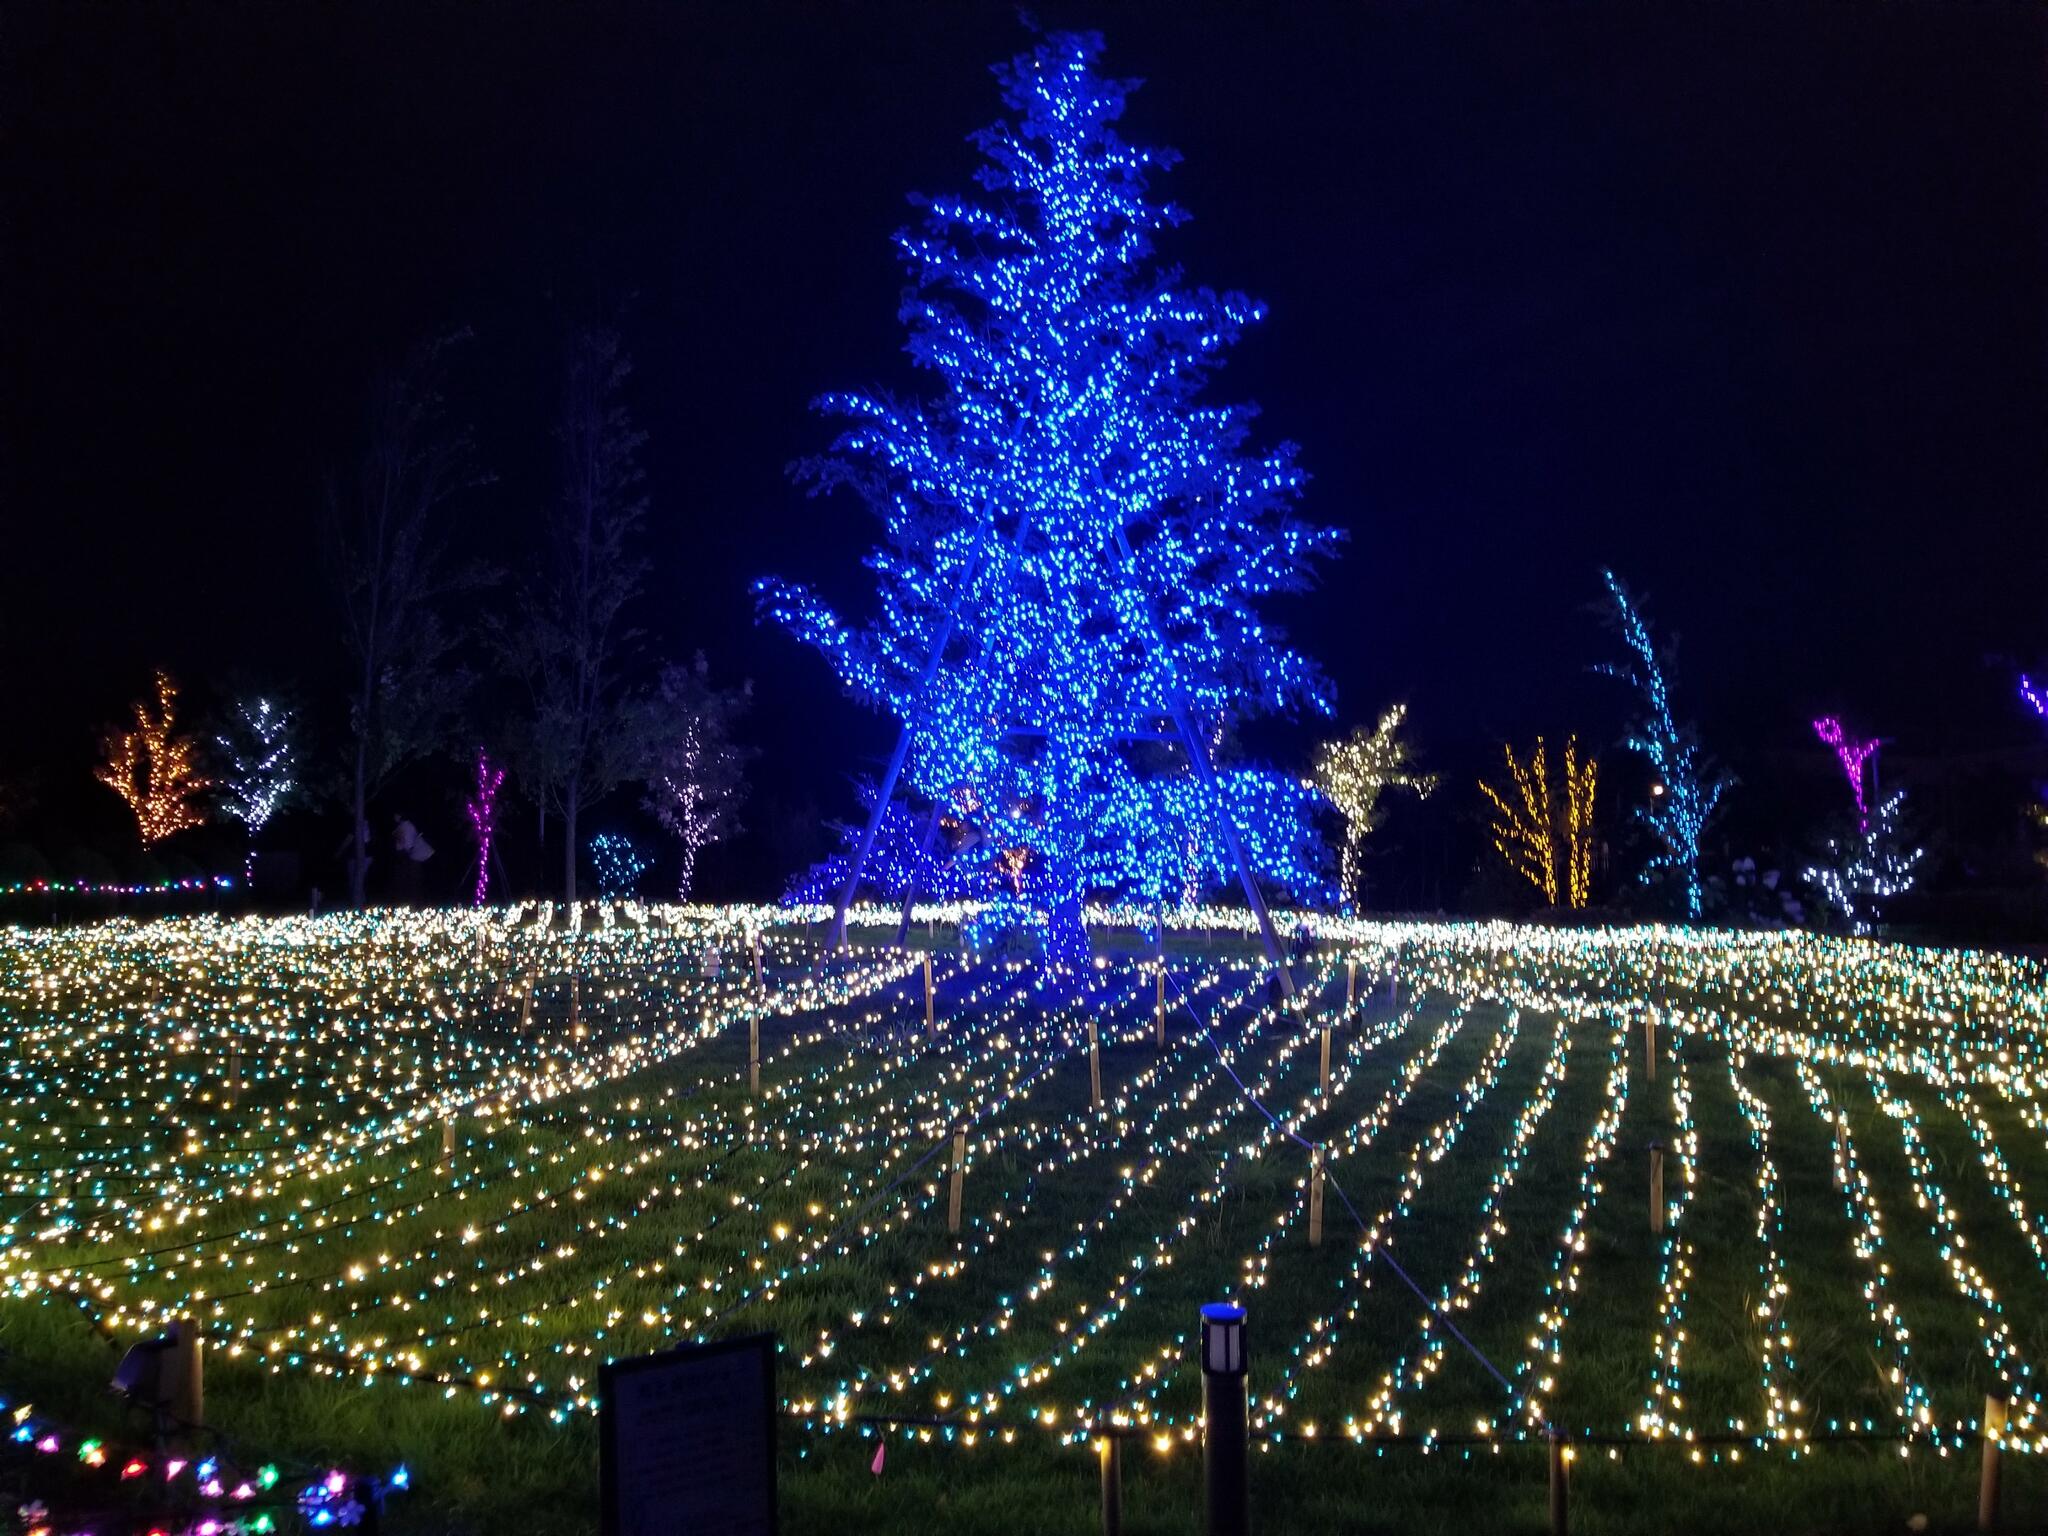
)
(243, 1123)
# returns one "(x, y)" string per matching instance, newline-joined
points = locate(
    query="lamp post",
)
(1225, 1439)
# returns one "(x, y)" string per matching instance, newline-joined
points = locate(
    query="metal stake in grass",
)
(1110, 1451)
(1656, 1187)
(1094, 1068)
(1315, 1198)
(959, 1177)
(1987, 1484)
(1560, 1480)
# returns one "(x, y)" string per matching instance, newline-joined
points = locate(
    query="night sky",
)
(1747, 301)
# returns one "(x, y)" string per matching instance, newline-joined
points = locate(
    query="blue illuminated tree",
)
(1688, 787)
(1075, 546)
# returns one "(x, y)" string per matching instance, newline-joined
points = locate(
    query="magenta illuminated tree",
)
(1076, 546)
(483, 819)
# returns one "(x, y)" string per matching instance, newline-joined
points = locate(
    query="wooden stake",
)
(447, 1140)
(526, 1004)
(760, 976)
(575, 1005)
(1159, 1010)
(1326, 1061)
(959, 1174)
(1315, 1198)
(930, 1028)
(1111, 1454)
(1560, 1483)
(1650, 1046)
(754, 1055)
(1094, 1068)
(234, 1075)
(1656, 1187)
(1350, 984)
(1987, 1485)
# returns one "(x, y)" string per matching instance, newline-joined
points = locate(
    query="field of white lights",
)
(415, 1176)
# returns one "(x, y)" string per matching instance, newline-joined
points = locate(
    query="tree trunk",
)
(569, 844)
(688, 876)
(359, 856)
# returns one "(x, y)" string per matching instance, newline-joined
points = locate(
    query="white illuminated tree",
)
(1354, 773)
(696, 783)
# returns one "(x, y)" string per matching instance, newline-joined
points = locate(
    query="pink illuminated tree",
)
(483, 818)
(1854, 755)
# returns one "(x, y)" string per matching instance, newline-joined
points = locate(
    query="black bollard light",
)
(1225, 1437)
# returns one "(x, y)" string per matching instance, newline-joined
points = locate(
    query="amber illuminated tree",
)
(1547, 838)
(151, 767)
(1353, 773)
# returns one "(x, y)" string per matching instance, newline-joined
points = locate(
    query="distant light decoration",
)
(2033, 697)
(1548, 837)
(1852, 754)
(1868, 870)
(151, 767)
(1692, 786)
(1075, 546)
(1353, 773)
(619, 864)
(260, 761)
(117, 887)
(696, 782)
(482, 808)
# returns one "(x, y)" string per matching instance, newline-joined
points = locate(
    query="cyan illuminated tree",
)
(1687, 788)
(1076, 545)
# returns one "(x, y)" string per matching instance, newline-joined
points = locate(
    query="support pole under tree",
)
(1110, 1452)
(959, 1178)
(1560, 1480)
(1094, 1068)
(1656, 1187)
(1994, 1450)
(1159, 1008)
(924, 853)
(1226, 1439)
(1315, 1198)
(930, 1027)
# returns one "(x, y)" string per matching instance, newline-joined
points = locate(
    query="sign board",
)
(686, 1441)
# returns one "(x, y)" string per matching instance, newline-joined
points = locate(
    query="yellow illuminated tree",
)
(1548, 838)
(1353, 772)
(151, 767)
